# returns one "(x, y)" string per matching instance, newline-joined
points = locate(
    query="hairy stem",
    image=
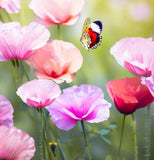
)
(85, 139)
(135, 137)
(148, 134)
(122, 131)
(24, 68)
(59, 32)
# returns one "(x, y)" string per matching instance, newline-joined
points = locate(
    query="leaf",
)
(104, 131)
(112, 126)
(106, 140)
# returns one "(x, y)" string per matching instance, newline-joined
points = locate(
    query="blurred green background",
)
(120, 19)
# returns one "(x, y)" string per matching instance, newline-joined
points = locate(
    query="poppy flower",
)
(15, 144)
(149, 82)
(11, 6)
(57, 60)
(135, 54)
(85, 102)
(51, 12)
(39, 92)
(6, 112)
(140, 11)
(18, 42)
(129, 94)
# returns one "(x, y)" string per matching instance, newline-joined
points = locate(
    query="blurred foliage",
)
(99, 66)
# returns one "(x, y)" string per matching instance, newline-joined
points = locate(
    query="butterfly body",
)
(91, 37)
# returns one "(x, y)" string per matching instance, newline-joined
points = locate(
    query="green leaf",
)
(104, 131)
(106, 140)
(112, 126)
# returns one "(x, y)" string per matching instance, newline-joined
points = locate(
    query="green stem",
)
(61, 149)
(1, 17)
(42, 126)
(46, 137)
(16, 65)
(8, 15)
(85, 139)
(22, 17)
(59, 32)
(148, 133)
(135, 137)
(24, 68)
(122, 131)
(56, 136)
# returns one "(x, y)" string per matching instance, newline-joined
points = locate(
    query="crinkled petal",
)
(61, 120)
(135, 54)
(149, 82)
(15, 144)
(129, 94)
(6, 112)
(58, 12)
(79, 103)
(100, 113)
(11, 6)
(38, 92)
(19, 42)
(57, 60)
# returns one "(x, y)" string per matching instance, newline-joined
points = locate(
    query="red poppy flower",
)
(129, 94)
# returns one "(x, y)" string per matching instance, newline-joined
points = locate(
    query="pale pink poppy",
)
(83, 103)
(19, 42)
(57, 60)
(39, 92)
(15, 144)
(50, 12)
(6, 112)
(149, 82)
(135, 54)
(11, 6)
(140, 11)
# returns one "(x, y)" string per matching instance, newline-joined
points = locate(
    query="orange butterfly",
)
(91, 37)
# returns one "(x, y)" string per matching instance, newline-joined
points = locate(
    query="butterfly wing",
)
(87, 24)
(96, 38)
(97, 26)
(85, 39)
(97, 43)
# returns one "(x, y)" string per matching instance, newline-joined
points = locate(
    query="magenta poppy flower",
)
(6, 112)
(51, 12)
(129, 94)
(39, 92)
(79, 103)
(15, 144)
(11, 6)
(57, 60)
(149, 82)
(135, 54)
(19, 42)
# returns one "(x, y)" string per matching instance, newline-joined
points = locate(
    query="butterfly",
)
(91, 37)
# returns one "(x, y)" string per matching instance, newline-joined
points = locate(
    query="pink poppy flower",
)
(19, 42)
(6, 112)
(149, 82)
(129, 94)
(140, 11)
(11, 6)
(57, 60)
(79, 103)
(15, 144)
(39, 92)
(51, 12)
(135, 54)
